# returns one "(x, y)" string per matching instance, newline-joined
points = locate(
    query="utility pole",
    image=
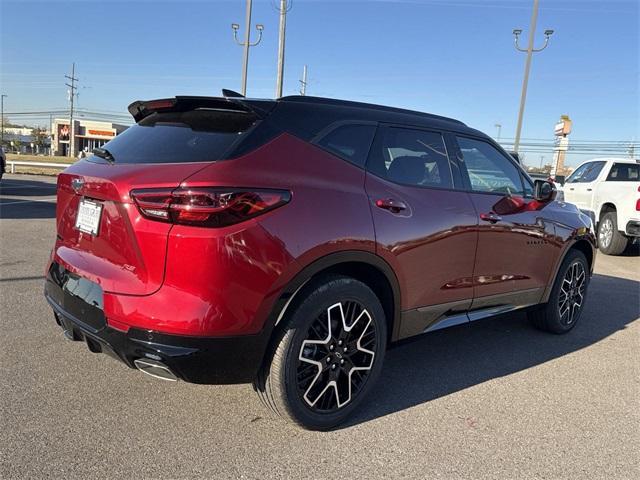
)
(72, 94)
(541, 161)
(2, 97)
(247, 43)
(499, 127)
(285, 6)
(527, 67)
(303, 82)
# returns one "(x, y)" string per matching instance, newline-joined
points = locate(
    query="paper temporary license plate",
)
(88, 219)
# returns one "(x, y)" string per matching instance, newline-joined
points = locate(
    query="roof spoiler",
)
(231, 101)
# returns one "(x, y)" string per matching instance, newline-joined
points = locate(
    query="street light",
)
(499, 128)
(247, 43)
(530, 50)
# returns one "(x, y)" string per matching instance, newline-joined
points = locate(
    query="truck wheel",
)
(610, 240)
(328, 357)
(566, 301)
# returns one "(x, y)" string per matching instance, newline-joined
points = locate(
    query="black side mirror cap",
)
(544, 190)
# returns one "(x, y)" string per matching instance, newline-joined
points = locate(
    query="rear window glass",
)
(624, 172)
(174, 137)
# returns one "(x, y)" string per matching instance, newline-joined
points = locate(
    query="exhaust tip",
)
(155, 369)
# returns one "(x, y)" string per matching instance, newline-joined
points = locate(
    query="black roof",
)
(305, 116)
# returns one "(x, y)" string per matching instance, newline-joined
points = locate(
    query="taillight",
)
(207, 206)
(638, 205)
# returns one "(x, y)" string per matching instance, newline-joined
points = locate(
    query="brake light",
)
(160, 104)
(638, 205)
(207, 206)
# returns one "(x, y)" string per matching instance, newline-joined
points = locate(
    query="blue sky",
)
(450, 57)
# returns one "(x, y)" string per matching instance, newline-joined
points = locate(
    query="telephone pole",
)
(247, 43)
(527, 67)
(72, 94)
(285, 6)
(2, 97)
(499, 128)
(303, 82)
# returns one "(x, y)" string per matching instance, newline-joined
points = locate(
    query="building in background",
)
(88, 134)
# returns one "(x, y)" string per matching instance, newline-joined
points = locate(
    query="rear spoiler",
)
(143, 108)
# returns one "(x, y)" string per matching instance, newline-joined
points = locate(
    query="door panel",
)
(515, 252)
(424, 228)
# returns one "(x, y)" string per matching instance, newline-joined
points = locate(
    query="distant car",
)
(608, 190)
(287, 242)
(3, 162)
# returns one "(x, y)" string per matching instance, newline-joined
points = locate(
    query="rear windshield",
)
(174, 137)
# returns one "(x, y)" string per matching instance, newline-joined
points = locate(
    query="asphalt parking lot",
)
(496, 399)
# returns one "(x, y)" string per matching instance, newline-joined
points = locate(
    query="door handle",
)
(572, 188)
(490, 217)
(589, 189)
(391, 204)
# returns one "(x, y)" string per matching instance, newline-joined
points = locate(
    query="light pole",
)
(285, 6)
(527, 66)
(246, 44)
(499, 127)
(2, 97)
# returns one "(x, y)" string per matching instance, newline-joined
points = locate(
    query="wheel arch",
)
(364, 266)
(583, 245)
(605, 208)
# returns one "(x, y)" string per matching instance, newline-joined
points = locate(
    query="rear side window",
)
(586, 173)
(489, 170)
(351, 142)
(624, 172)
(411, 157)
(174, 137)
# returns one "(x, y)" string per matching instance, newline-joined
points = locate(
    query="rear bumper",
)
(633, 228)
(209, 360)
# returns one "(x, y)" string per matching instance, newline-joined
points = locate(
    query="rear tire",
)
(610, 240)
(328, 356)
(566, 301)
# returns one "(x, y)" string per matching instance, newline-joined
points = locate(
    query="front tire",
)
(329, 354)
(566, 301)
(610, 240)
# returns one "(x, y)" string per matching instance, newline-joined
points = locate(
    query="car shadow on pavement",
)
(13, 187)
(29, 209)
(447, 361)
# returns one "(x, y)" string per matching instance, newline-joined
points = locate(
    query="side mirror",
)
(544, 191)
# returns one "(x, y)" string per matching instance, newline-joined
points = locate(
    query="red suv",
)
(288, 242)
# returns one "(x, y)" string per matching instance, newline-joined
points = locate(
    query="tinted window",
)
(586, 173)
(194, 136)
(624, 172)
(488, 169)
(351, 142)
(411, 157)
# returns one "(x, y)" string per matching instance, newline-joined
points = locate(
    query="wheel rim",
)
(606, 232)
(336, 358)
(572, 293)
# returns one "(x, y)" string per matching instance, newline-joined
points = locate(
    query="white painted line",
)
(25, 186)
(40, 200)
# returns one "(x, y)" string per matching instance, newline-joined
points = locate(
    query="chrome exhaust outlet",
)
(155, 369)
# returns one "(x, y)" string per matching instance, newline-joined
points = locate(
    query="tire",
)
(307, 379)
(610, 240)
(566, 301)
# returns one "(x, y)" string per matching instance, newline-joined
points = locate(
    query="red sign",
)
(101, 133)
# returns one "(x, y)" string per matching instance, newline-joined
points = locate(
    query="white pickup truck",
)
(608, 189)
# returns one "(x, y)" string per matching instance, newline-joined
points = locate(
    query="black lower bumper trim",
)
(207, 360)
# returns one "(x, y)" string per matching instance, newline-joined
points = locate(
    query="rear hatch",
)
(101, 234)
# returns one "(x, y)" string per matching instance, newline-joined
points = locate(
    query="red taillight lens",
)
(638, 205)
(207, 207)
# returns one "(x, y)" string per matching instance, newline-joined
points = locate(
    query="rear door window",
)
(411, 157)
(624, 172)
(349, 141)
(173, 137)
